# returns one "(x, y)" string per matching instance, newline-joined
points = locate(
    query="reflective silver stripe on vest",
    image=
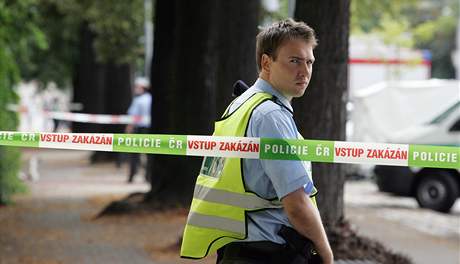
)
(250, 202)
(216, 222)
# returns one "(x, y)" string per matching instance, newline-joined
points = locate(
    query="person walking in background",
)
(139, 108)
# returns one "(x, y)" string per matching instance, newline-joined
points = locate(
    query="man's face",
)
(291, 71)
(138, 89)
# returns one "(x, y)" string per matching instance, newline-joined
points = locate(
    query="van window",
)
(445, 114)
(456, 126)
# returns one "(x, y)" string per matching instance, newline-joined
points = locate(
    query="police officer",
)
(140, 107)
(240, 206)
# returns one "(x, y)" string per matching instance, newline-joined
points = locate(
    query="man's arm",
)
(133, 110)
(305, 218)
(129, 129)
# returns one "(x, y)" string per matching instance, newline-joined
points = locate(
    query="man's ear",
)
(266, 62)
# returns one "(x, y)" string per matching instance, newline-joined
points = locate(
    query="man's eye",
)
(295, 60)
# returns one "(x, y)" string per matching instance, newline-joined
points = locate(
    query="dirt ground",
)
(56, 221)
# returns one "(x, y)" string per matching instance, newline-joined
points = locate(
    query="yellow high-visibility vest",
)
(220, 202)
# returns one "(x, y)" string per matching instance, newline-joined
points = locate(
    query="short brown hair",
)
(270, 39)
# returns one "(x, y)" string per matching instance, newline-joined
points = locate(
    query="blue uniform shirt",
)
(271, 178)
(140, 106)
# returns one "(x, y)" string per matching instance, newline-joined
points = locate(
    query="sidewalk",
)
(398, 223)
(54, 223)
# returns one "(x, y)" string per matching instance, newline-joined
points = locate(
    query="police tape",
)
(98, 118)
(245, 147)
(87, 118)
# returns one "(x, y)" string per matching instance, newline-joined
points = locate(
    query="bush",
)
(9, 156)
(9, 167)
(11, 41)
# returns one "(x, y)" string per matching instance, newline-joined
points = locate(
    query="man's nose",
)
(305, 69)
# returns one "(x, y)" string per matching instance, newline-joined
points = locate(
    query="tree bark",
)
(321, 113)
(182, 91)
(237, 22)
(88, 81)
(192, 80)
(102, 88)
(117, 93)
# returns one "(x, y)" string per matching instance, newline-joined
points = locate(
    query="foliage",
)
(9, 167)
(435, 29)
(18, 32)
(395, 32)
(423, 24)
(384, 19)
(368, 15)
(39, 40)
(268, 16)
(54, 63)
(117, 25)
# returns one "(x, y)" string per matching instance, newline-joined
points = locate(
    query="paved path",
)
(424, 235)
(54, 223)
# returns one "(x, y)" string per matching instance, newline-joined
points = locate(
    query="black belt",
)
(298, 250)
(257, 252)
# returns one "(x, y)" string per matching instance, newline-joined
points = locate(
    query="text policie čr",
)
(435, 156)
(287, 149)
(24, 136)
(301, 150)
(148, 142)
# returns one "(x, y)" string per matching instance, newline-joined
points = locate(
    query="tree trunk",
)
(183, 92)
(118, 91)
(88, 82)
(321, 112)
(102, 88)
(189, 72)
(117, 98)
(236, 29)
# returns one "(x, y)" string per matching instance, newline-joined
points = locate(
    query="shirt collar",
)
(266, 87)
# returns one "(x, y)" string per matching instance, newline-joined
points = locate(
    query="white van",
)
(423, 112)
(433, 188)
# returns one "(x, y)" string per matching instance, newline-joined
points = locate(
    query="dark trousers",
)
(263, 252)
(135, 158)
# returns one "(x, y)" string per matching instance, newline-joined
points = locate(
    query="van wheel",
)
(437, 191)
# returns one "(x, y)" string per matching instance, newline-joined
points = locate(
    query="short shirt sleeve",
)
(286, 175)
(134, 108)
